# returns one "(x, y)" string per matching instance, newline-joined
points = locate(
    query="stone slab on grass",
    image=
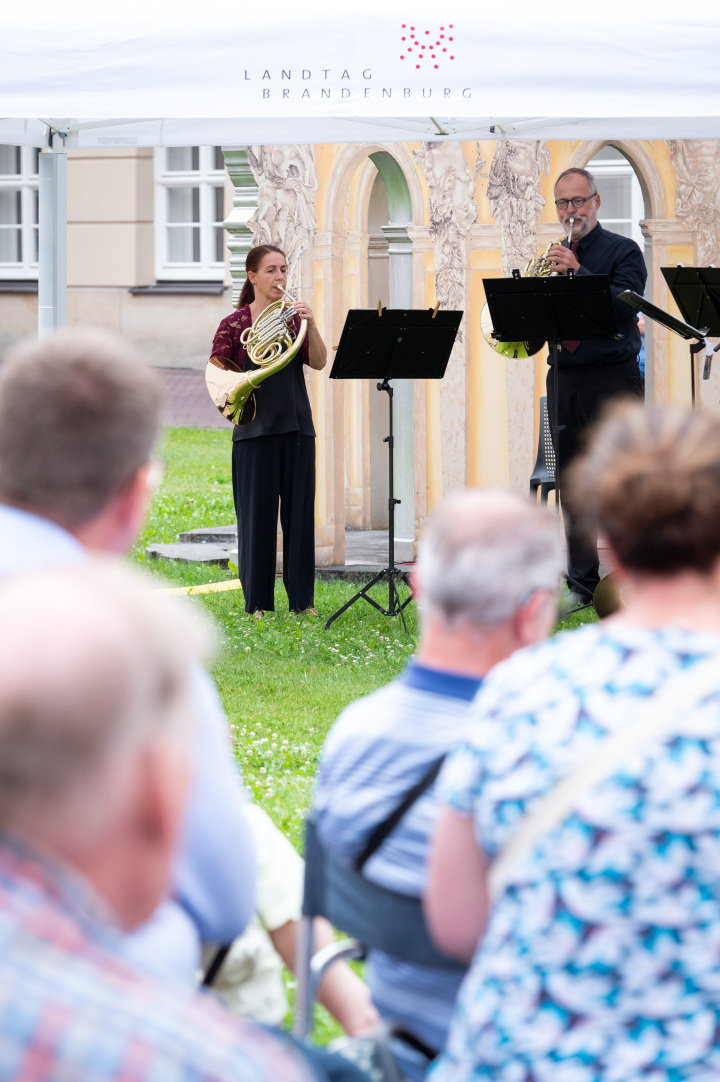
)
(189, 552)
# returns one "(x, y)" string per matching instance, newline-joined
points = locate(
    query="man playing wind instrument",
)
(592, 372)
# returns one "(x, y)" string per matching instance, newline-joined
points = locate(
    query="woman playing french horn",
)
(274, 452)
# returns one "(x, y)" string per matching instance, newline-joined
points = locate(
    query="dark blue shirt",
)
(603, 252)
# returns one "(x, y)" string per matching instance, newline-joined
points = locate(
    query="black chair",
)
(543, 475)
(377, 918)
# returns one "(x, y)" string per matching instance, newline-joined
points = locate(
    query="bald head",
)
(483, 554)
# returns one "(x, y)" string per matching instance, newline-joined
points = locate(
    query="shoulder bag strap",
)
(658, 716)
(381, 831)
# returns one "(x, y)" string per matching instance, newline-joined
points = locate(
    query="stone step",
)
(221, 534)
(189, 552)
(366, 551)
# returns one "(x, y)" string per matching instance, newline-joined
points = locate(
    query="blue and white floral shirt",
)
(602, 959)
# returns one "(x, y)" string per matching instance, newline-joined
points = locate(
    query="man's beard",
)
(578, 229)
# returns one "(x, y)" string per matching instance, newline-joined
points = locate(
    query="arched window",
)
(621, 199)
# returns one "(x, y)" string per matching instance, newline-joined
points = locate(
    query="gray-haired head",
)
(79, 416)
(592, 183)
(93, 667)
(484, 554)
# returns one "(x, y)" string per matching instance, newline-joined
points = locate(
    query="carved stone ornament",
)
(697, 203)
(453, 211)
(287, 188)
(515, 198)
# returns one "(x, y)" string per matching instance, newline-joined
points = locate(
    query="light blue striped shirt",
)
(214, 872)
(376, 751)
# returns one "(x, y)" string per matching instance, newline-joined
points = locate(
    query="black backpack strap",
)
(386, 827)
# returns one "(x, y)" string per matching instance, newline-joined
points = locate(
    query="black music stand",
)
(691, 334)
(696, 291)
(553, 309)
(393, 344)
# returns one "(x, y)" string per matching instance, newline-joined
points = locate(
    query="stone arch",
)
(645, 169)
(394, 168)
(354, 171)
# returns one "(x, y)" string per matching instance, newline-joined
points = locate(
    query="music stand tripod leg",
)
(395, 605)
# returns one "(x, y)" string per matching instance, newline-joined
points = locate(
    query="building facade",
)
(156, 248)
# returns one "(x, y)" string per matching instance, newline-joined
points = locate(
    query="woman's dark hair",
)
(252, 261)
(650, 481)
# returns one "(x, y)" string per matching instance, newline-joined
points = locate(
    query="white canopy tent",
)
(161, 74)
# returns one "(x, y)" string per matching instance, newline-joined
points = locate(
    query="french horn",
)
(271, 344)
(540, 267)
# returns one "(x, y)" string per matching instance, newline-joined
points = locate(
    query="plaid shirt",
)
(71, 1008)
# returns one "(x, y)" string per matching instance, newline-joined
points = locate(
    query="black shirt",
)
(603, 252)
(281, 401)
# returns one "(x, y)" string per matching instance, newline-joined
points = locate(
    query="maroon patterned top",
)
(282, 403)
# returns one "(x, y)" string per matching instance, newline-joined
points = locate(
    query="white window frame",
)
(622, 169)
(207, 178)
(26, 181)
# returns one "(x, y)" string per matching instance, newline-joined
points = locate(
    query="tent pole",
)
(52, 284)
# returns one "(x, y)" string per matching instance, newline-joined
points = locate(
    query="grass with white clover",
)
(283, 680)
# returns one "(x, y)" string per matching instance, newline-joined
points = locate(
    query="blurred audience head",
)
(650, 482)
(485, 555)
(79, 417)
(95, 725)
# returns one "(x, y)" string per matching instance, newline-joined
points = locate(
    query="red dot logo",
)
(411, 42)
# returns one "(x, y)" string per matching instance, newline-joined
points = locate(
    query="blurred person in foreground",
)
(79, 419)
(598, 959)
(487, 583)
(96, 718)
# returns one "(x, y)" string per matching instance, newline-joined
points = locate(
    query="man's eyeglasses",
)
(577, 202)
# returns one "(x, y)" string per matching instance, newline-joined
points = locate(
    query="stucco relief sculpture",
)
(515, 198)
(453, 211)
(697, 203)
(516, 203)
(287, 188)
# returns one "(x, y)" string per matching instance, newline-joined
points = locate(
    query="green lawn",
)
(283, 680)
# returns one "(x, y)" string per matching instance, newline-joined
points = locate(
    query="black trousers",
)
(583, 393)
(267, 471)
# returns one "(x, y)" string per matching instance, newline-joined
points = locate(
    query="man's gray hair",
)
(79, 415)
(91, 665)
(592, 183)
(483, 555)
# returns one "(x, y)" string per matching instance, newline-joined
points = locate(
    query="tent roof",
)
(320, 72)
